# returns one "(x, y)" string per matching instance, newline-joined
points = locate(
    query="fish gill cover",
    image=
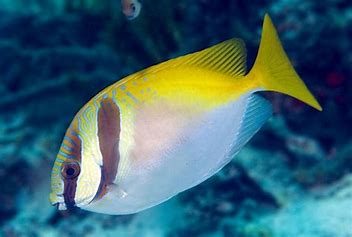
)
(293, 179)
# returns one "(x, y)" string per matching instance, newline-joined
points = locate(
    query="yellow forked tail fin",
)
(274, 71)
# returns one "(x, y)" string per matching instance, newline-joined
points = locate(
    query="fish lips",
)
(60, 206)
(57, 200)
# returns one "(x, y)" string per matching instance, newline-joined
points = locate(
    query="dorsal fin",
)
(228, 57)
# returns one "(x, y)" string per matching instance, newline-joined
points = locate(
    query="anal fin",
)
(258, 111)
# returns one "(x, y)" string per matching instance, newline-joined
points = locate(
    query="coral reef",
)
(292, 179)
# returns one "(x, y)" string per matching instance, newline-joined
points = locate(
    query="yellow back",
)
(214, 76)
(209, 78)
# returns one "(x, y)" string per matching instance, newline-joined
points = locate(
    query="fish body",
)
(169, 127)
(131, 8)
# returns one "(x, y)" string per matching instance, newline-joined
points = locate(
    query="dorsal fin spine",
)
(227, 58)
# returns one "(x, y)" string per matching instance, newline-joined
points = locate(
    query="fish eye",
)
(133, 7)
(70, 170)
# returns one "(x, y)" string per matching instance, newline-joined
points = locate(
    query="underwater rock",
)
(326, 214)
(231, 193)
(334, 167)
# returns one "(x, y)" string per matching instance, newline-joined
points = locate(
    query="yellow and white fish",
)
(169, 127)
(131, 8)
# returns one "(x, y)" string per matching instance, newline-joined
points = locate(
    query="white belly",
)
(175, 151)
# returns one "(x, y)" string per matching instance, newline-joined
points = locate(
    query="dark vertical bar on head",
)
(75, 148)
(109, 138)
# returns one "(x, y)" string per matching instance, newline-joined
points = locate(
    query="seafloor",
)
(294, 179)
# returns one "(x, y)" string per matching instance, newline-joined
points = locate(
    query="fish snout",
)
(60, 206)
(57, 200)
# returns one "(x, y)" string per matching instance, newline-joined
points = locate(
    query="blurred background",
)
(293, 179)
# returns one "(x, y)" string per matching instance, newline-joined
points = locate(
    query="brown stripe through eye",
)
(109, 137)
(71, 168)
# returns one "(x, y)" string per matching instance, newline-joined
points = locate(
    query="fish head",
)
(131, 8)
(76, 174)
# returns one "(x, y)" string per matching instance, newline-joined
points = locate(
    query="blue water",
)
(294, 178)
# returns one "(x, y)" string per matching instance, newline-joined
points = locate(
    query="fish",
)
(169, 127)
(131, 8)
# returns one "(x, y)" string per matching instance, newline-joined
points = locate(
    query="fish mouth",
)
(61, 206)
(58, 201)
